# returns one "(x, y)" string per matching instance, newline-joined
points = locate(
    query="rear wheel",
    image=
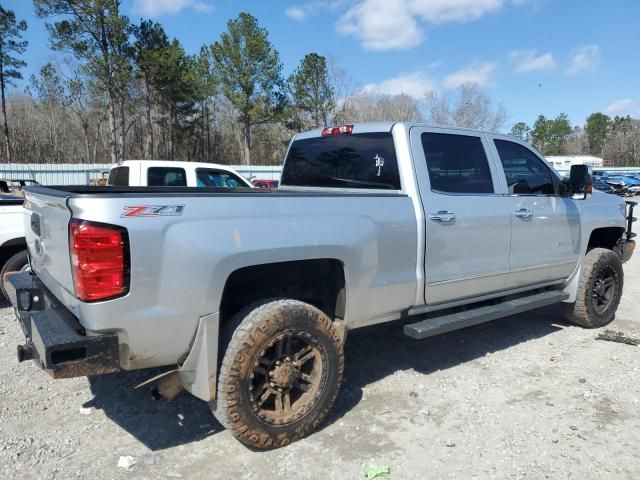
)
(280, 375)
(599, 290)
(16, 263)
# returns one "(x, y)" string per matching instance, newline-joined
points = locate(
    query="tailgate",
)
(47, 234)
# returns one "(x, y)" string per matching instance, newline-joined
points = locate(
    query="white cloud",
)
(529, 60)
(381, 25)
(475, 72)
(301, 12)
(625, 106)
(296, 13)
(414, 84)
(156, 8)
(440, 11)
(584, 59)
(398, 24)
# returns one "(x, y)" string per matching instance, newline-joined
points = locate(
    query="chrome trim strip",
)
(546, 265)
(471, 277)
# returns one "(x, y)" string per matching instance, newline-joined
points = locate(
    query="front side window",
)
(363, 160)
(526, 174)
(207, 177)
(456, 163)
(166, 177)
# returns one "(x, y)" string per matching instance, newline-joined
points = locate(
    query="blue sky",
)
(534, 56)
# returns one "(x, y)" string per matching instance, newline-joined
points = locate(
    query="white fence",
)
(82, 173)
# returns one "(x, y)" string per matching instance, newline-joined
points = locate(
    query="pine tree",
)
(249, 73)
(311, 90)
(11, 46)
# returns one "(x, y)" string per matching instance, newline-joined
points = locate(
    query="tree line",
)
(617, 139)
(124, 90)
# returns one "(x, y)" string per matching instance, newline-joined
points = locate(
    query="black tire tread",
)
(579, 312)
(234, 334)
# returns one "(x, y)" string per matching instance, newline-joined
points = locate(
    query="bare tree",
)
(376, 108)
(468, 106)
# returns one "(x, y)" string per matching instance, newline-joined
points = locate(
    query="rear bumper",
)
(54, 337)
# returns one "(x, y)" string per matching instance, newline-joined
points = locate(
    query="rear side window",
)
(362, 160)
(207, 177)
(119, 176)
(456, 163)
(526, 173)
(166, 177)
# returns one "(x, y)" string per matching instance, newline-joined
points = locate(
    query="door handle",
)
(523, 213)
(442, 216)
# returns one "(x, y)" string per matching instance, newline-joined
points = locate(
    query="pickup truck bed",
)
(218, 233)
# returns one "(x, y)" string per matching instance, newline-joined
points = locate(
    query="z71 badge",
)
(152, 211)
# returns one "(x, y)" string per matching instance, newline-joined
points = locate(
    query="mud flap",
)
(199, 372)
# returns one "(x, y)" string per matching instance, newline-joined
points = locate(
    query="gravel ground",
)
(523, 397)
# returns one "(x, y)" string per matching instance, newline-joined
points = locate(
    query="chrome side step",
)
(455, 321)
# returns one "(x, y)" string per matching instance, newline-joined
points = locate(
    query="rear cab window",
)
(166, 177)
(119, 176)
(358, 161)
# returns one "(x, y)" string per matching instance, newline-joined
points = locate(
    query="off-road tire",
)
(583, 312)
(250, 337)
(15, 263)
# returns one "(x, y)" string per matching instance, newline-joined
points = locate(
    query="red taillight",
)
(337, 130)
(99, 260)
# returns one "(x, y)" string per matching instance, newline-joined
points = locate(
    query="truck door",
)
(467, 222)
(545, 226)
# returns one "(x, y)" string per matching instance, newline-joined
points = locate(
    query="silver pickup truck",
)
(246, 295)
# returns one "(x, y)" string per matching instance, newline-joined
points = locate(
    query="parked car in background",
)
(624, 184)
(167, 173)
(265, 183)
(619, 187)
(436, 228)
(632, 183)
(603, 186)
(13, 247)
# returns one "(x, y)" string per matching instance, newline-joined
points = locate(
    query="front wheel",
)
(599, 290)
(280, 375)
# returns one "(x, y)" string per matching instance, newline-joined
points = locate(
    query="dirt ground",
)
(524, 397)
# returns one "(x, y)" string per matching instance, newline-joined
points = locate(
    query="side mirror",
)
(580, 182)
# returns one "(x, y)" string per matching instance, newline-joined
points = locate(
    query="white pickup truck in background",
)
(167, 173)
(13, 247)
